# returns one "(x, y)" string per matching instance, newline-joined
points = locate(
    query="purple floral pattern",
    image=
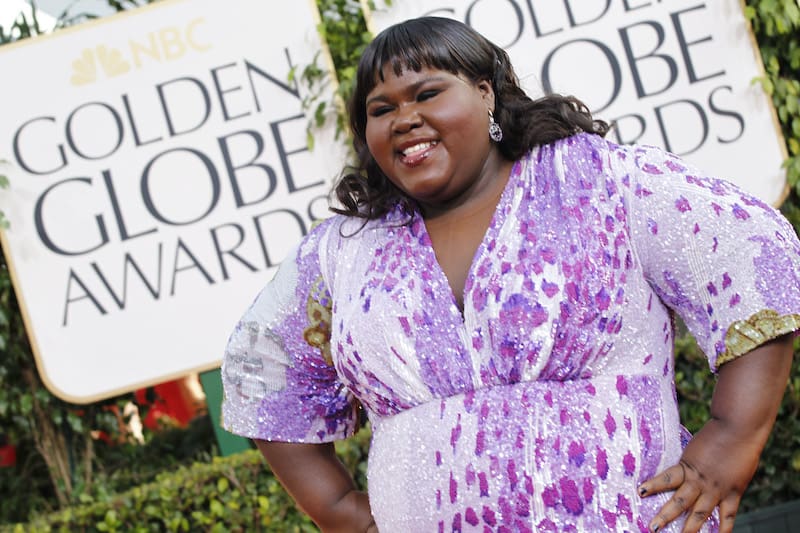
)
(544, 403)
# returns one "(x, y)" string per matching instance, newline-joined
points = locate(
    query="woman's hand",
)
(714, 470)
(720, 460)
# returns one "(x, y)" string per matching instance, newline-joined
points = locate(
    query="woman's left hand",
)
(714, 470)
(720, 460)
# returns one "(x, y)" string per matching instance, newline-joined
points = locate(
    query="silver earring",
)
(495, 131)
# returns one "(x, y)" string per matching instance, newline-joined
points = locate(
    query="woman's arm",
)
(320, 485)
(720, 460)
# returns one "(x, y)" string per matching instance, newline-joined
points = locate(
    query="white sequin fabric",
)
(544, 403)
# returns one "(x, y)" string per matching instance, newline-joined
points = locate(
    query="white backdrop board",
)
(674, 74)
(159, 171)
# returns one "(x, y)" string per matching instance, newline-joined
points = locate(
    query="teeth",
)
(418, 147)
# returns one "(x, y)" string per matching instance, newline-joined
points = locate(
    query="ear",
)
(487, 93)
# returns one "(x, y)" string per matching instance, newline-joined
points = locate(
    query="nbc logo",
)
(165, 44)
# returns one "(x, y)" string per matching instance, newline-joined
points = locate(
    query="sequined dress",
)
(547, 401)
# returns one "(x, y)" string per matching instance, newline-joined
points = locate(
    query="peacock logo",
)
(159, 46)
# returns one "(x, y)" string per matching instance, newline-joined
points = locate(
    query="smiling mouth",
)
(416, 153)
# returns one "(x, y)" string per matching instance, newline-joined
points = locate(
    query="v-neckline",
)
(496, 221)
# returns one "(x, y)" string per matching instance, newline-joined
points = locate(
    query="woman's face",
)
(428, 132)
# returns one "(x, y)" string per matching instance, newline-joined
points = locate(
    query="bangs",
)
(419, 43)
(403, 50)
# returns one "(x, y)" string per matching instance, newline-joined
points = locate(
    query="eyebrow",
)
(411, 88)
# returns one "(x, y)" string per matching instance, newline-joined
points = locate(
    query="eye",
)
(427, 95)
(379, 110)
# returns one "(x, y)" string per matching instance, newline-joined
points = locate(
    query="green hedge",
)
(228, 494)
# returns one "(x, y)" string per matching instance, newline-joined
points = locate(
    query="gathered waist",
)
(596, 388)
(573, 447)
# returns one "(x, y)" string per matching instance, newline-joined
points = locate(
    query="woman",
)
(496, 292)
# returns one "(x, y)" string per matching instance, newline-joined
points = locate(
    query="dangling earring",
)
(495, 131)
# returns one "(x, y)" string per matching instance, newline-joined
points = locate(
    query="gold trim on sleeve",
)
(745, 335)
(318, 310)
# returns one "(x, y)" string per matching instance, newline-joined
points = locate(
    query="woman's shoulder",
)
(320, 233)
(347, 226)
(591, 152)
(594, 143)
(339, 236)
(582, 156)
(581, 145)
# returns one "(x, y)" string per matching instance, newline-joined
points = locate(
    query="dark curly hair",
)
(446, 44)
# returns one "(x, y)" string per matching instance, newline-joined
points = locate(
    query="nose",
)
(407, 119)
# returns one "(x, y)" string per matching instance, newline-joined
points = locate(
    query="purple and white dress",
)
(547, 401)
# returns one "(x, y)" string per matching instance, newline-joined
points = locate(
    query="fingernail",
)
(642, 490)
(656, 528)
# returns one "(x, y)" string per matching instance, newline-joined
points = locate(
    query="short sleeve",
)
(725, 261)
(278, 377)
